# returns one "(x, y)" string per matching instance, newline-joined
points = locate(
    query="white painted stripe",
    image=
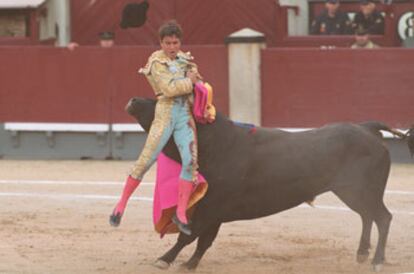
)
(70, 196)
(295, 129)
(61, 127)
(117, 183)
(338, 208)
(119, 127)
(399, 192)
(49, 182)
(127, 128)
(385, 134)
(148, 199)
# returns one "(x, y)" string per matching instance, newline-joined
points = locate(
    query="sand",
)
(54, 219)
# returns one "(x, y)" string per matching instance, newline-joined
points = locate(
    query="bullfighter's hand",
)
(193, 76)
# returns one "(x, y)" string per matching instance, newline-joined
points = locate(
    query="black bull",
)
(255, 174)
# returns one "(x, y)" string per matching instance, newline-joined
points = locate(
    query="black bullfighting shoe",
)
(184, 228)
(115, 219)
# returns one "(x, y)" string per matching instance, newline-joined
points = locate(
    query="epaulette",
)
(157, 56)
(185, 55)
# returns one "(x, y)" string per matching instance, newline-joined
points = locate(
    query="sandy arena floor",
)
(54, 219)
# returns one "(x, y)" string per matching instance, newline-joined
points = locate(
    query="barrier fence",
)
(300, 88)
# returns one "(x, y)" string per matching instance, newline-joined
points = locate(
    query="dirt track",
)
(55, 226)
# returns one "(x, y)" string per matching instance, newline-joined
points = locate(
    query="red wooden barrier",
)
(41, 84)
(301, 87)
(310, 87)
(88, 85)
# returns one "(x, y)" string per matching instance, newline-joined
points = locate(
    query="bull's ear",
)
(143, 111)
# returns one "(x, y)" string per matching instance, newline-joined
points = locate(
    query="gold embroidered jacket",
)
(168, 77)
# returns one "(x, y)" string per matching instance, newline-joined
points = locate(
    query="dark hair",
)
(170, 28)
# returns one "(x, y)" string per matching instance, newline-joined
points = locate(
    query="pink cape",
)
(200, 103)
(203, 110)
(166, 194)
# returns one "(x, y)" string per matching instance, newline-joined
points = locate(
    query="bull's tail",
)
(376, 127)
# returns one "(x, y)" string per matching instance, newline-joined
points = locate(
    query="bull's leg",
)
(165, 260)
(365, 242)
(353, 198)
(382, 220)
(204, 242)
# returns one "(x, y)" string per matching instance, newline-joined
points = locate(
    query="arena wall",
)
(312, 87)
(61, 104)
(88, 85)
(301, 88)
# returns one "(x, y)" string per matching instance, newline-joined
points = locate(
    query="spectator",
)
(106, 40)
(369, 18)
(362, 40)
(331, 21)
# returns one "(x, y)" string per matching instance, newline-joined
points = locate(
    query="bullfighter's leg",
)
(204, 242)
(186, 140)
(158, 136)
(165, 260)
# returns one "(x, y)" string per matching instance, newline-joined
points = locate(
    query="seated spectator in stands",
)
(362, 40)
(331, 21)
(369, 18)
(106, 40)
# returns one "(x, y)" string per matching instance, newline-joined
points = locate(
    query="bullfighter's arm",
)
(169, 85)
(193, 68)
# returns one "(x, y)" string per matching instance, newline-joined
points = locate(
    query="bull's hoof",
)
(377, 267)
(362, 258)
(115, 219)
(184, 228)
(161, 264)
(189, 265)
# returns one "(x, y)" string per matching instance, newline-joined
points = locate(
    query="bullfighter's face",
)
(171, 46)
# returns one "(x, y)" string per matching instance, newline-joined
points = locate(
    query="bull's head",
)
(142, 110)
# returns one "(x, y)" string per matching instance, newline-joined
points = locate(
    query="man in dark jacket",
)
(331, 21)
(369, 18)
